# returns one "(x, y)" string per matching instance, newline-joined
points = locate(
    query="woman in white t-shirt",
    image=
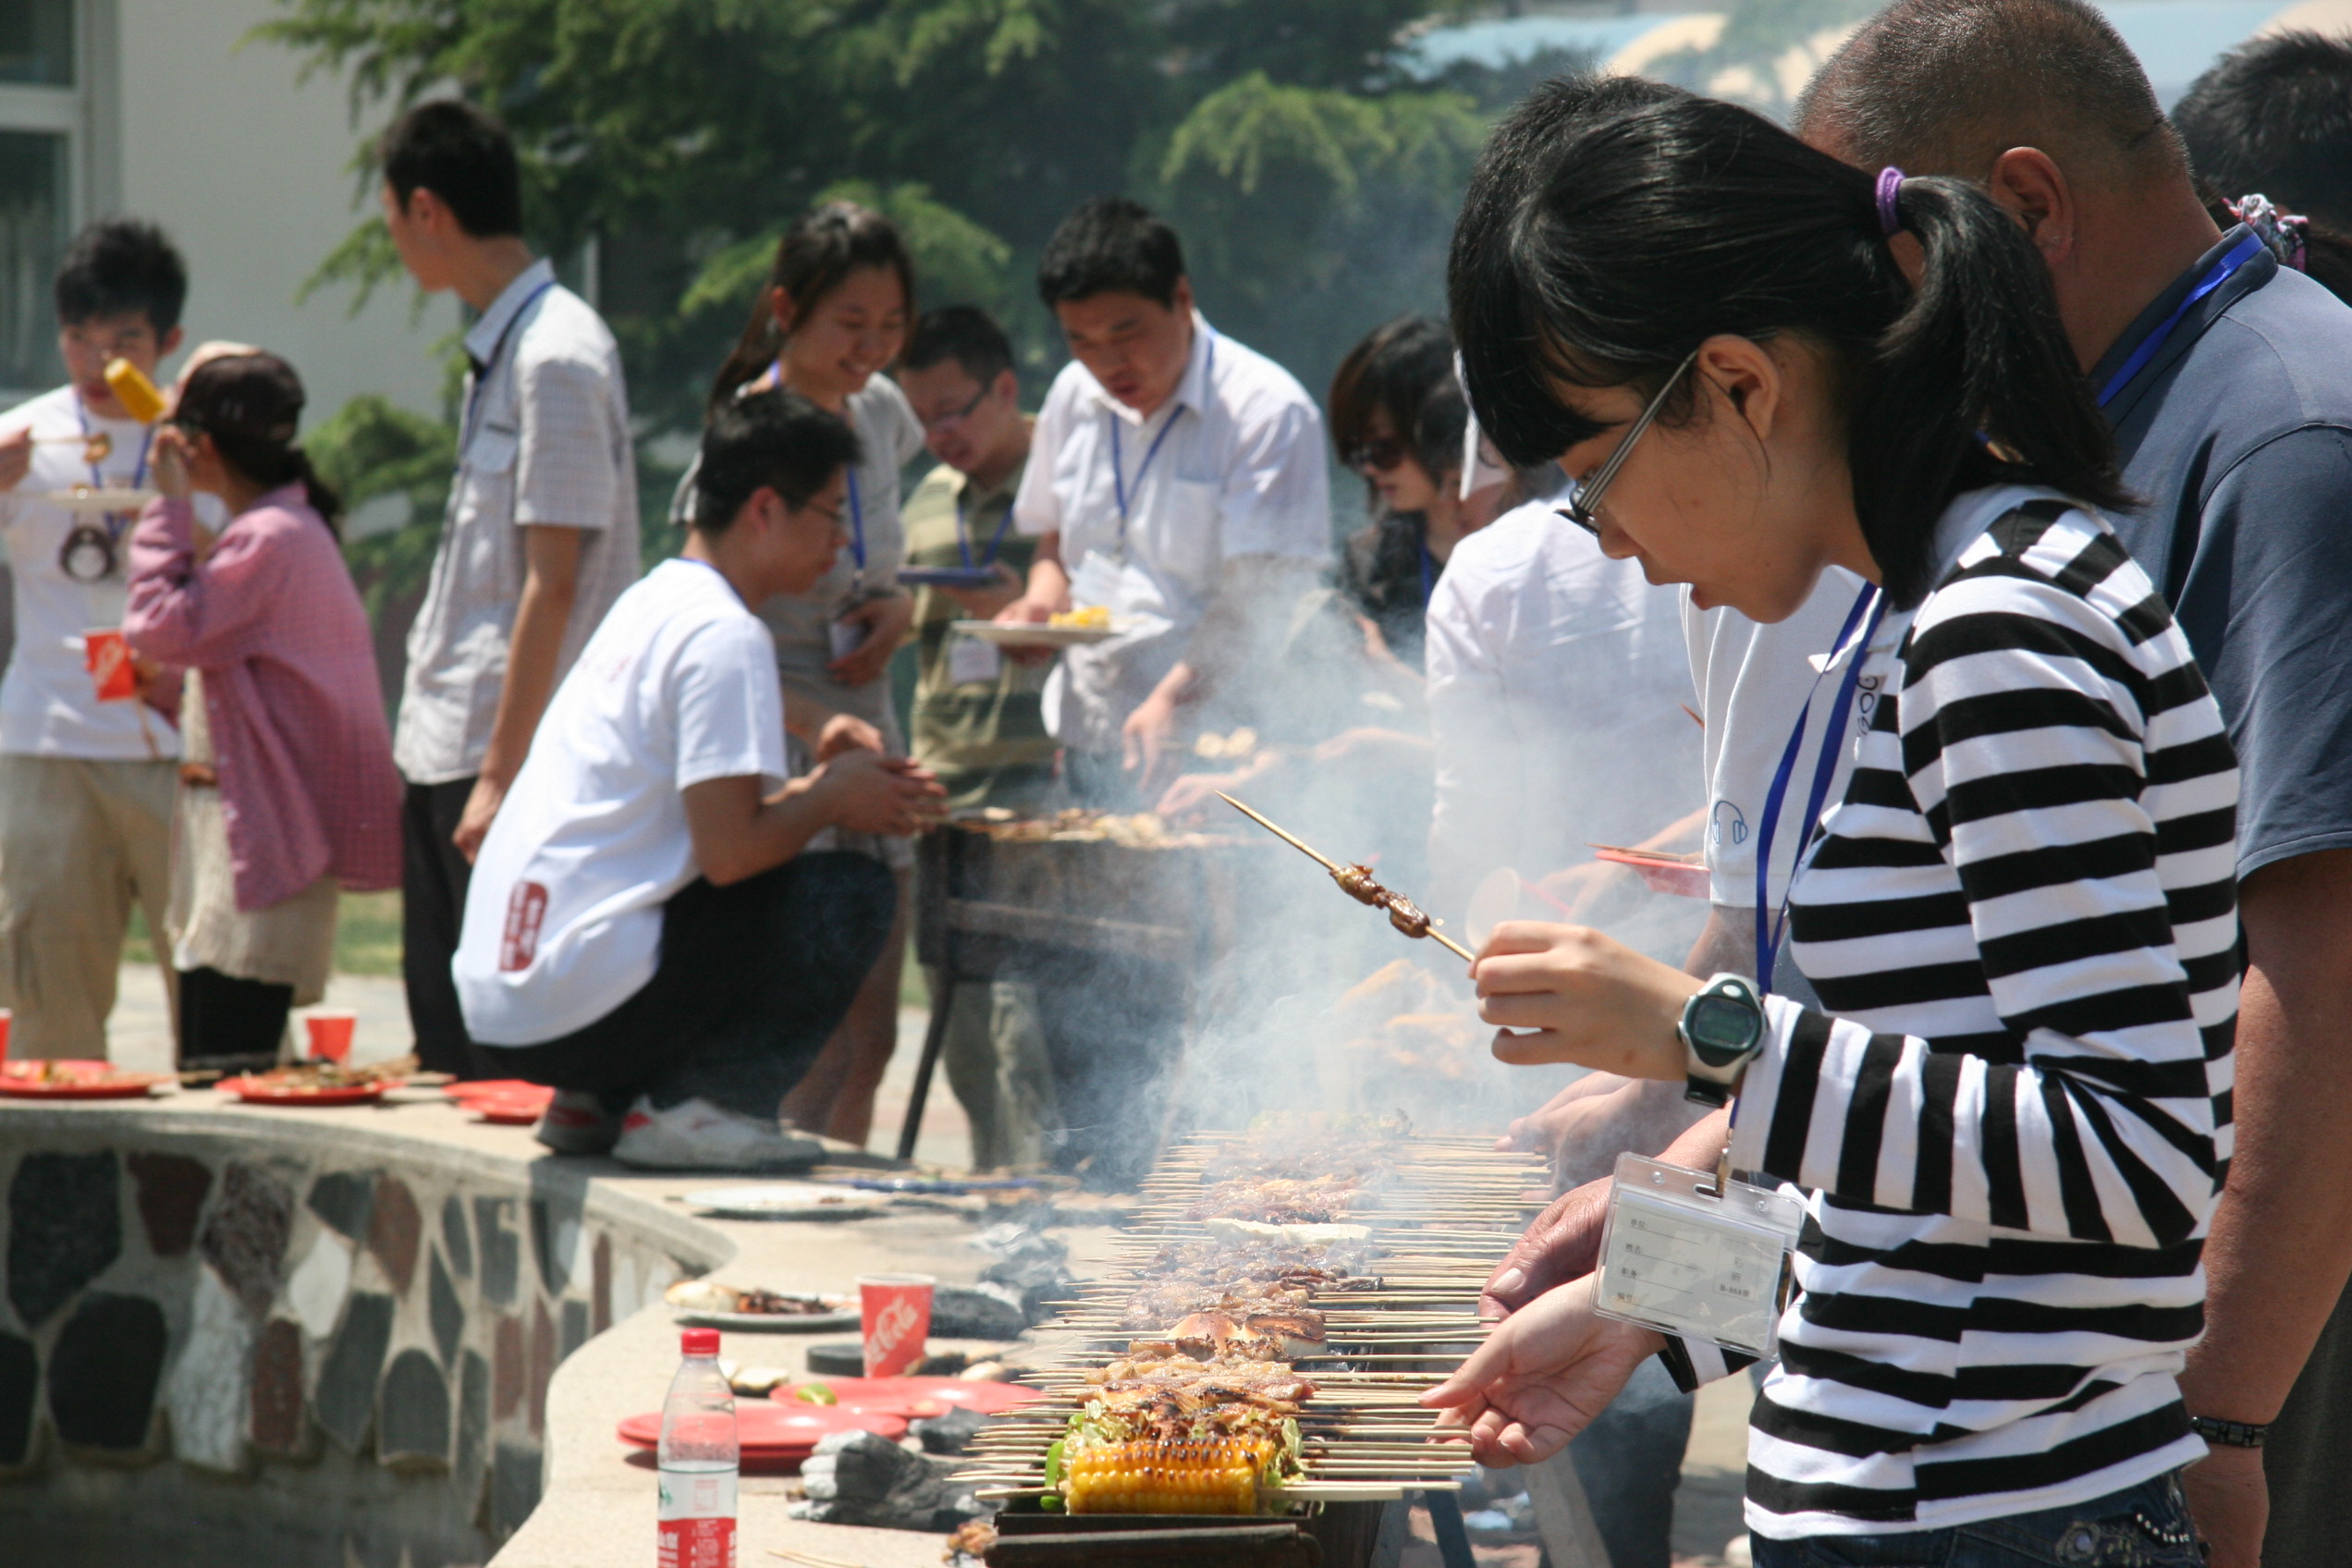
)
(833, 314)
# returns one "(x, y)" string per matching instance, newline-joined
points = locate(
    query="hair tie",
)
(1890, 193)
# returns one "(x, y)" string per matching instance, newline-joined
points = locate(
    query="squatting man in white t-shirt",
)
(643, 930)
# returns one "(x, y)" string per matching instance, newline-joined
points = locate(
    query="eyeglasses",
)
(958, 415)
(1584, 501)
(1383, 453)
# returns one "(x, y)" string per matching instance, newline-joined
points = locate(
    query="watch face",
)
(1719, 1028)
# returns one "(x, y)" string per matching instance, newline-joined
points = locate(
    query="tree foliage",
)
(1312, 180)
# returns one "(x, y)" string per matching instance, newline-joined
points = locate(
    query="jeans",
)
(2142, 1526)
(754, 978)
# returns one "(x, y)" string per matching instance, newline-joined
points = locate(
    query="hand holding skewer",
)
(1357, 882)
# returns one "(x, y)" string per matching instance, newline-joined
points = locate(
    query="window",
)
(40, 114)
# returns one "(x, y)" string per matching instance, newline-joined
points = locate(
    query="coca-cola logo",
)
(892, 1326)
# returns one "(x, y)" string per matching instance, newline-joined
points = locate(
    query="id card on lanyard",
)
(1108, 578)
(970, 659)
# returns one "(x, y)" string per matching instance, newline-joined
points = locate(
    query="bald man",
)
(2224, 378)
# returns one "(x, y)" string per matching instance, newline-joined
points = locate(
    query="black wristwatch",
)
(1721, 1028)
(2231, 1434)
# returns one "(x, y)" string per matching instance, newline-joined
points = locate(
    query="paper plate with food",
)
(706, 1304)
(100, 499)
(318, 1083)
(1071, 628)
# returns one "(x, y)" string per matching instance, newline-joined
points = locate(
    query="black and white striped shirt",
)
(2011, 1133)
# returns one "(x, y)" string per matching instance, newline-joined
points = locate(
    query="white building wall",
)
(249, 174)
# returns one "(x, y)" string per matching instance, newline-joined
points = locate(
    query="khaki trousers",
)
(79, 841)
(997, 1064)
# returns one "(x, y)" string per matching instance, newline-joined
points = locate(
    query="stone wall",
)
(237, 1338)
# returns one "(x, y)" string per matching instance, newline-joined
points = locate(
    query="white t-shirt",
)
(1555, 680)
(563, 919)
(1239, 470)
(48, 707)
(1752, 681)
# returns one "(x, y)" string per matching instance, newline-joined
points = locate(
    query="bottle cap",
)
(700, 1341)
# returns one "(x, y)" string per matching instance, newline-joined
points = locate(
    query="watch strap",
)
(2230, 1434)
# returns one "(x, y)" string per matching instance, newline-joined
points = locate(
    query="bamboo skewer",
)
(1336, 871)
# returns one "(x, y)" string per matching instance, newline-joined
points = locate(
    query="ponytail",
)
(260, 460)
(816, 255)
(1639, 230)
(1974, 382)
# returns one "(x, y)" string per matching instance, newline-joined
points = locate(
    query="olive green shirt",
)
(986, 739)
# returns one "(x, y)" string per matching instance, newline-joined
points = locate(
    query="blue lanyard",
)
(963, 534)
(1428, 575)
(2242, 252)
(116, 521)
(1770, 920)
(498, 351)
(1119, 487)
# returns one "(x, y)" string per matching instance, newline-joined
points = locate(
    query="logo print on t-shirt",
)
(526, 907)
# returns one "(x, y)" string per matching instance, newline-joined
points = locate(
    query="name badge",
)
(1686, 1257)
(845, 636)
(970, 659)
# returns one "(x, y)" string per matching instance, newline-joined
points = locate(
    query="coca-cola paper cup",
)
(330, 1033)
(895, 1311)
(107, 658)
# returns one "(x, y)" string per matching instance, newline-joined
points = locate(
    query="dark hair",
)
(815, 257)
(1481, 285)
(1405, 370)
(1110, 245)
(2276, 115)
(119, 265)
(965, 334)
(252, 404)
(461, 154)
(1966, 381)
(777, 439)
(1947, 86)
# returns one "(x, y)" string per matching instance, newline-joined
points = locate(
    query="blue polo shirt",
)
(2236, 436)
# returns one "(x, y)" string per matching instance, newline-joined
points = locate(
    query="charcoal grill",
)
(993, 906)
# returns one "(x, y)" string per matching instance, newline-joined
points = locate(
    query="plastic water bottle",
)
(700, 1461)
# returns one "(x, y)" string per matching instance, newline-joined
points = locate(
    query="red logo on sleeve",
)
(526, 907)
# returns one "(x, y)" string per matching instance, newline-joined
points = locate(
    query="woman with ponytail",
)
(833, 316)
(2008, 1125)
(287, 790)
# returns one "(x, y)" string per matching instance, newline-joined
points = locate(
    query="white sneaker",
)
(577, 1123)
(697, 1135)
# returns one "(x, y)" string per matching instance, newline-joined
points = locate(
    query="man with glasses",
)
(86, 785)
(978, 721)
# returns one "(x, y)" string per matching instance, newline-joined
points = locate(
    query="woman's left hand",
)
(168, 462)
(1567, 993)
(886, 619)
(1542, 1376)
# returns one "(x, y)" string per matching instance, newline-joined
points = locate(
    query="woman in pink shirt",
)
(287, 790)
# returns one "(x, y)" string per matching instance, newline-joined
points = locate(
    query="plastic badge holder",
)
(1679, 1257)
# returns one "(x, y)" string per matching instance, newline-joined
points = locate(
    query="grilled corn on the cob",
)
(1208, 1476)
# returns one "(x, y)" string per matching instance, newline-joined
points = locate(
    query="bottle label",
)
(697, 1526)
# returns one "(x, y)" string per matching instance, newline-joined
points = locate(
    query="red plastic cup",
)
(107, 658)
(6, 1016)
(331, 1033)
(895, 1312)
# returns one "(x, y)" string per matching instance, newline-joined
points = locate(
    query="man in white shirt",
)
(86, 786)
(642, 929)
(541, 535)
(1176, 478)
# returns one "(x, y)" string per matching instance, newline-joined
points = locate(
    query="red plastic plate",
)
(90, 1081)
(920, 1396)
(771, 1431)
(256, 1091)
